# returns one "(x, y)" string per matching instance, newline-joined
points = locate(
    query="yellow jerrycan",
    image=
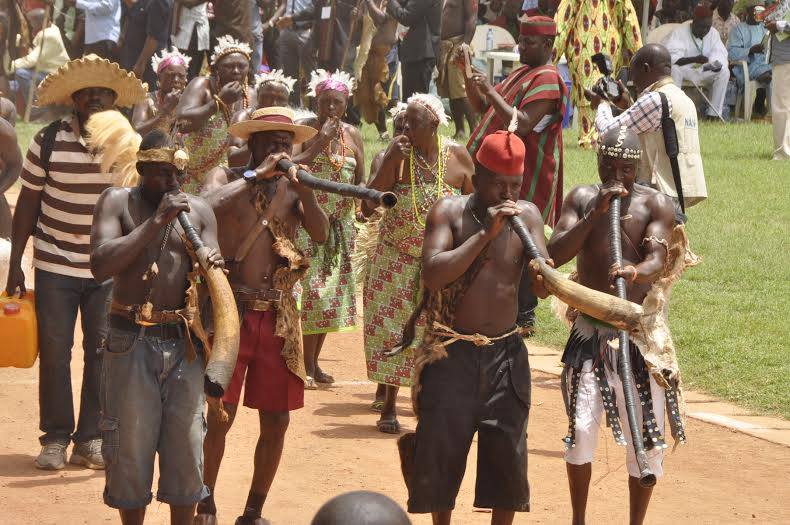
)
(18, 331)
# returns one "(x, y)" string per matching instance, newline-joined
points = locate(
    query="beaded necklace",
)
(338, 164)
(440, 166)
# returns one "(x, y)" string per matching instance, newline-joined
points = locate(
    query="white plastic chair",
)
(661, 33)
(501, 38)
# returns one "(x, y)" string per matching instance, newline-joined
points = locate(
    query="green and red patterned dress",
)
(329, 288)
(392, 286)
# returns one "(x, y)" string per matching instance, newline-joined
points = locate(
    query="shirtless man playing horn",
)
(152, 373)
(259, 210)
(594, 388)
(472, 262)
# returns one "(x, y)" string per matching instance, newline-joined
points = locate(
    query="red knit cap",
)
(538, 26)
(503, 153)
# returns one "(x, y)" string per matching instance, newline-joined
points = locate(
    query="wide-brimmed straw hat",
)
(272, 119)
(86, 72)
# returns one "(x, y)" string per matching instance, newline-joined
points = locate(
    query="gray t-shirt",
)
(780, 51)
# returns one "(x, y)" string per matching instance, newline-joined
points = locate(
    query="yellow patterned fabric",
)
(587, 27)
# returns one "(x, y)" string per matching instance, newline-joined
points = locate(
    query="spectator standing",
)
(10, 164)
(699, 56)
(270, 12)
(59, 193)
(724, 20)
(147, 32)
(256, 30)
(231, 17)
(102, 26)
(458, 28)
(47, 54)
(191, 33)
(419, 49)
(780, 94)
(746, 43)
(295, 54)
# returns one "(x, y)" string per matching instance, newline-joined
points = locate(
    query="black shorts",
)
(483, 389)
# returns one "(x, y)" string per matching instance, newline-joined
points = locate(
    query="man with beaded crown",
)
(471, 371)
(260, 210)
(593, 386)
(207, 106)
(420, 167)
(335, 153)
(158, 110)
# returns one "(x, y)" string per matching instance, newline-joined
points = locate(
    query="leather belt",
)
(258, 300)
(161, 331)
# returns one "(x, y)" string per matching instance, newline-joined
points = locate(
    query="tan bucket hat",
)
(272, 119)
(90, 71)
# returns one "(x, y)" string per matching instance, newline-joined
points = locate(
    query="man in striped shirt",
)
(59, 192)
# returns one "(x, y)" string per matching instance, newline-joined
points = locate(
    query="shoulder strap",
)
(671, 145)
(48, 144)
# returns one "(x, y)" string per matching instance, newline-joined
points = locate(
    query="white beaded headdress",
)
(432, 104)
(617, 150)
(399, 108)
(174, 56)
(276, 76)
(321, 80)
(227, 45)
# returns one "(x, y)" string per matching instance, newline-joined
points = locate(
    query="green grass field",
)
(729, 315)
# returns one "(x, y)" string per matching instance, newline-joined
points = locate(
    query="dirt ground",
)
(333, 447)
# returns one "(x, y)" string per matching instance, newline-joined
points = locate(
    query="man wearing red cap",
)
(471, 369)
(536, 95)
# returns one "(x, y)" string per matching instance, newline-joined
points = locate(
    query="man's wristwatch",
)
(250, 176)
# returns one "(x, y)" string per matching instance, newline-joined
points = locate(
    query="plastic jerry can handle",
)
(11, 308)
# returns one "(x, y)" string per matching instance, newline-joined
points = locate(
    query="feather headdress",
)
(399, 108)
(432, 104)
(276, 76)
(322, 80)
(227, 45)
(167, 58)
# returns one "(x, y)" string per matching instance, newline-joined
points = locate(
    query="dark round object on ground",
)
(361, 508)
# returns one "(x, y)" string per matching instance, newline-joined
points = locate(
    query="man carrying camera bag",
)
(666, 121)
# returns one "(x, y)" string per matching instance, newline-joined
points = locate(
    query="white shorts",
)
(590, 411)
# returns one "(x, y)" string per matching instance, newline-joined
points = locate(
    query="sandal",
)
(377, 405)
(309, 383)
(388, 426)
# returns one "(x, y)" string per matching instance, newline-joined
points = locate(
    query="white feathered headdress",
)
(276, 76)
(227, 45)
(174, 56)
(321, 80)
(432, 104)
(399, 108)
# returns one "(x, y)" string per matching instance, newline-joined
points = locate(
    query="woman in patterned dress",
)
(336, 153)
(158, 110)
(207, 107)
(433, 168)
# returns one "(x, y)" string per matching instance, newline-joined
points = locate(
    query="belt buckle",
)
(258, 305)
(274, 295)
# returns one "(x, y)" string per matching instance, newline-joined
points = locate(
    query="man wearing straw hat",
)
(61, 182)
(259, 212)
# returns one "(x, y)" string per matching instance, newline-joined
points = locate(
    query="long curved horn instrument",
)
(617, 311)
(380, 198)
(225, 347)
(646, 476)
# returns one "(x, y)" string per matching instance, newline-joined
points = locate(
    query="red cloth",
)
(270, 387)
(543, 162)
(503, 153)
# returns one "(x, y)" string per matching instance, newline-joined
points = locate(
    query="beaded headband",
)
(168, 58)
(275, 76)
(177, 157)
(227, 45)
(617, 150)
(432, 104)
(321, 80)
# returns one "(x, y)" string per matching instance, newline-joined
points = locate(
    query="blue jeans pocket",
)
(120, 342)
(110, 439)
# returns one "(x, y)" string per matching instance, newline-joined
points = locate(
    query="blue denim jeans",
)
(152, 402)
(58, 299)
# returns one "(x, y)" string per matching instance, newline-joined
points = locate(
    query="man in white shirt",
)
(46, 56)
(102, 26)
(699, 56)
(191, 33)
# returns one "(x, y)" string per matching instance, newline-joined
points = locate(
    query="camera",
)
(606, 87)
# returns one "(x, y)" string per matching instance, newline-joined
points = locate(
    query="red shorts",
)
(271, 386)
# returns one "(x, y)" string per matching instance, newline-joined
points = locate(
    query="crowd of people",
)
(179, 132)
